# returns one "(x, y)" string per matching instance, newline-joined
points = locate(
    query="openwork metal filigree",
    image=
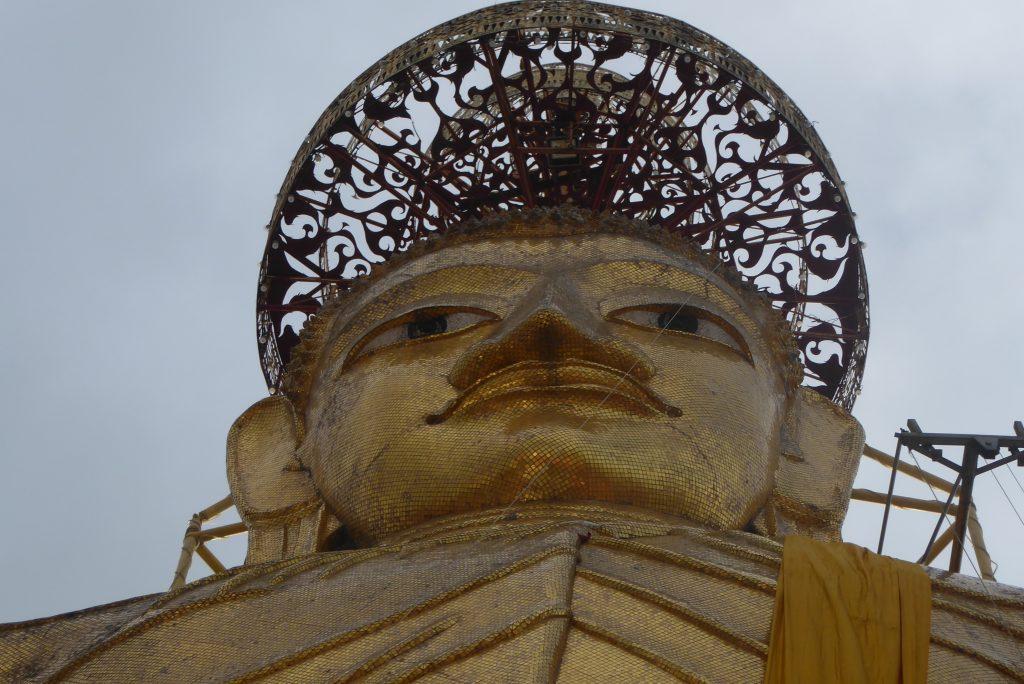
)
(546, 103)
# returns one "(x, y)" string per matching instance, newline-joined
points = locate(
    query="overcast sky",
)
(143, 144)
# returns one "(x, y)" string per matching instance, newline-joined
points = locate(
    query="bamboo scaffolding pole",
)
(210, 559)
(939, 546)
(188, 547)
(929, 505)
(221, 532)
(974, 529)
(213, 510)
(194, 536)
(978, 540)
(908, 469)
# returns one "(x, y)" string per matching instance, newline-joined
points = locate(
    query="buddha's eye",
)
(425, 327)
(680, 321)
(418, 327)
(688, 321)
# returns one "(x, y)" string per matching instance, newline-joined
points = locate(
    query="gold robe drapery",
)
(848, 616)
(569, 593)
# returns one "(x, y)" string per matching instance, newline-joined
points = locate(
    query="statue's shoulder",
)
(977, 629)
(526, 599)
(42, 649)
(724, 582)
(322, 616)
(35, 649)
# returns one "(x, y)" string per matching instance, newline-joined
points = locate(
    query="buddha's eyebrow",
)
(665, 273)
(427, 276)
(371, 296)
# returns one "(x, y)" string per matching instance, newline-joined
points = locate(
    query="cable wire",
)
(1019, 485)
(1008, 500)
(967, 555)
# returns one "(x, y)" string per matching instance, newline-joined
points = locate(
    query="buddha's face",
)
(590, 368)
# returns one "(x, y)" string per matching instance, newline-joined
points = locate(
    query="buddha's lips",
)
(581, 378)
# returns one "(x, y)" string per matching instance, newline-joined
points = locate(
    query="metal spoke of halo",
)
(564, 102)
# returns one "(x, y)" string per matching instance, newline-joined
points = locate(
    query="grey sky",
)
(143, 143)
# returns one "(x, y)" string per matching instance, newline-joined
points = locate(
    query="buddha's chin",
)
(549, 451)
(555, 462)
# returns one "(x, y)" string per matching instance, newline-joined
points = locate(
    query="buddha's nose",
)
(553, 330)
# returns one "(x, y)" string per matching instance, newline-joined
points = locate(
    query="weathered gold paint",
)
(545, 397)
(554, 490)
(573, 592)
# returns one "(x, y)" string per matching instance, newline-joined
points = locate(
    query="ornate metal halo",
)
(562, 101)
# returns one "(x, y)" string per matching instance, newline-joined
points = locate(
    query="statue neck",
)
(527, 518)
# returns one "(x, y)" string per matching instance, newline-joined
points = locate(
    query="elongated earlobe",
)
(273, 493)
(821, 449)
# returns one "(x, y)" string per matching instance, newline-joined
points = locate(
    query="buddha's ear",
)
(821, 450)
(273, 493)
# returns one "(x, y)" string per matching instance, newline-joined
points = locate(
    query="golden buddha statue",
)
(550, 443)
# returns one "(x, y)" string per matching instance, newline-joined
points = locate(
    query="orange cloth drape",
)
(844, 614)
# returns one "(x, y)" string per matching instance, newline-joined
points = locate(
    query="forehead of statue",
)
(598, 270)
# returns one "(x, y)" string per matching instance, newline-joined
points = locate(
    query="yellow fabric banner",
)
(844, 614)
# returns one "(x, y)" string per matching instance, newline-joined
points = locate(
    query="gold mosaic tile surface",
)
(554, 596)
(554, 446)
